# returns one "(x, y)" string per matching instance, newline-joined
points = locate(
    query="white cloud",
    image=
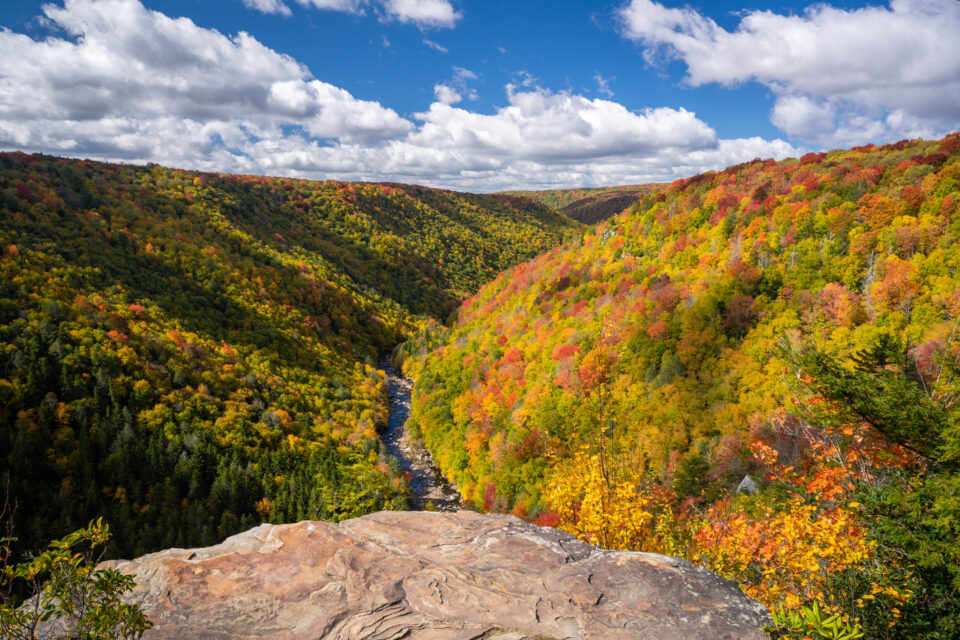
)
(435, 45)
(463, 75)
(433, 13)
(839, 75)
(130, 62)
(603, 84)
(542, 139)
(423, 13)
(457, 87)
(560, 128)
(348, 6)
(525, 78)
(134, 85)
(268, 6)
(446, 95)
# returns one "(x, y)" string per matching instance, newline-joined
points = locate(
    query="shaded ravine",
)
(427, 483)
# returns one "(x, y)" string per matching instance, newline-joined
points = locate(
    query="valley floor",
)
(428, 485)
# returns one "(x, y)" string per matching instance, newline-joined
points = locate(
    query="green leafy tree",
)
(883, 390)
(913, 514)
(61, 594)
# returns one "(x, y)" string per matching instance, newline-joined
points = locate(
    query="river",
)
(427, 483)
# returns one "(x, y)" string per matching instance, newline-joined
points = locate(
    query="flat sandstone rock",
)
(431, 576)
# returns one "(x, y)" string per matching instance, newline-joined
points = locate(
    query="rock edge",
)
(431, 576)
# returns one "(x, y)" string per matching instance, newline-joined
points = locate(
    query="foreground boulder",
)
(422, 575)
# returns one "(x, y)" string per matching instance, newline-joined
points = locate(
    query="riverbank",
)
(428, 486)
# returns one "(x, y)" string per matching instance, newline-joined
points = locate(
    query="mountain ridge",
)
(646, 254)
(184, 352)
(189, 354)
(590, 205)
(793, 322)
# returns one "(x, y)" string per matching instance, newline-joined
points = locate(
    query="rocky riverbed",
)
(428, 486)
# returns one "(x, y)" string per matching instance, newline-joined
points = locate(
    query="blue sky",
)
(471, 95)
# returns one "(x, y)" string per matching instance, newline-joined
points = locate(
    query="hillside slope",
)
(797, 321)
(590, 205)
(188, 354)
(657, 329)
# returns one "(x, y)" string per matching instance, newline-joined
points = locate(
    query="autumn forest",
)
(756, 369)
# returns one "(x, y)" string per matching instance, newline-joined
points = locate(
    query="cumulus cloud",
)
(434, 13)
(839, 76)
(268, 6)
(457, 87)
(128, 62)
(129, 84)
(446, 95)
(559, 128)
(539, 139)
(423, 13)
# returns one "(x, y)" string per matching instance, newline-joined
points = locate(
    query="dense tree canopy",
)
(187, 354)
(795, 320)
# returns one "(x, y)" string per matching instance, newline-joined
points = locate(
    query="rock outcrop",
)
(422, 575)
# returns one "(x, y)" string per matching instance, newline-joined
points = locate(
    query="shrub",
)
(61, 594)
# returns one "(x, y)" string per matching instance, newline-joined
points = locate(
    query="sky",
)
(473, 95)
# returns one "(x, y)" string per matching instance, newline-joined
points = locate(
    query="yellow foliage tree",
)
(602, 506)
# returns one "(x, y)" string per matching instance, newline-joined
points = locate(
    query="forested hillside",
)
(187, 354)
(796, 321)
(592, 204)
